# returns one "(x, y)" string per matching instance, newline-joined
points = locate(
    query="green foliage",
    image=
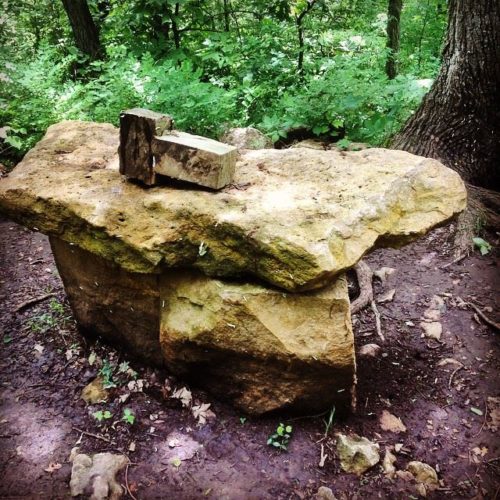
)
(106, 372)
(128, 416)
(238, 69)
(102, 415)
(45, 321)
(281, 437)
(482, 245)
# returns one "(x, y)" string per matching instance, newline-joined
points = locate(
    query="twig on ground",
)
(453, 374)
(364, 275)
(483, 316)
(31, 302)
(455, 261)
(378, 324)
(485, 418)
(96, 436)
(126, 483)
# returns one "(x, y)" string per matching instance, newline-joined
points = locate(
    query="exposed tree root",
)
(31, 302)
(483, 316)
(365, 276)
(365, 298)
(483, 211)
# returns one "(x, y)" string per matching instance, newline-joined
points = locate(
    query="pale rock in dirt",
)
(94, 392)
(388, 463)
(424, 474)
(432, 329)
(294, 217)
(383, 273)
(324, 493)
(246, 138)
(357, 454)
(179, 446)
(259, 347)
(391, 423)
(310, 144)
(95, 475)
(369, 351)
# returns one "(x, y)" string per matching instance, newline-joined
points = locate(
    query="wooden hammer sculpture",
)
(149, 146)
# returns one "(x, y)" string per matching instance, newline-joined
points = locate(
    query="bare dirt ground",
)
(45, 363)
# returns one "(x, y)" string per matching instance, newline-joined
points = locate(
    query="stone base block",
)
(258, 347)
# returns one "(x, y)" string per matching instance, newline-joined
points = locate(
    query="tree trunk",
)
(458, 121)
(84, 29)
(393, 30)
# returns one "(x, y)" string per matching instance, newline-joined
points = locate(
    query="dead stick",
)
(483, 316)
(96, 436)
(126, 483)
(30, 302)
(452, 375)
(377, 321)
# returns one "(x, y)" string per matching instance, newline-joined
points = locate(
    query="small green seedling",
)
(7, 339)
(329, 421)
(483, 246)
(102, 415)
(128, 416)
(106, 372)
(203, 249)
(281, 437)
(243, 420)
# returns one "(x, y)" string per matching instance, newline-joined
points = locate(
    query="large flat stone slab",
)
(294, 218)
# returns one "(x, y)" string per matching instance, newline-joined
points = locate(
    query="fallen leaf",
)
(398, 447)
(494, 412)
(69, 354)
(94, 392)
(391, 423)
(92, 358)
(184, 395)
(202, 413)
(52, 467)
(387, 296)
(136, 385)
(477, 411)
(131, 446)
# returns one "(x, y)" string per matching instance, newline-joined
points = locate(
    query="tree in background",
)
(393, 31)
(84, 29)
(458, 121)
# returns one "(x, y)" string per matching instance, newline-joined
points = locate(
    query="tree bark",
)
(84, 29)
(393, 31)
(458, 121)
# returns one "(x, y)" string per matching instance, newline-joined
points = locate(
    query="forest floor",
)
(450, 422)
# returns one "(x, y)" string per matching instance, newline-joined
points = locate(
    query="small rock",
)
(432, 330)
(391, 423)
(97, 474)
(423, 473)
(383, 273)
(357, 454)
(247, 138)
(369, 350)
(94, 392)
(324, 493)
(310, 144)
(388, 463)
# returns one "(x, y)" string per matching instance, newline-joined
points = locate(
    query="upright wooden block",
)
(137, 129)
(194, 159)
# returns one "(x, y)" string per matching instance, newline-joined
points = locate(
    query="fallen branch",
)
(31, 302)
(96, 436)
(378, 324)
(483, 316)
(364, 275)
(126, 483)
(453, 374)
